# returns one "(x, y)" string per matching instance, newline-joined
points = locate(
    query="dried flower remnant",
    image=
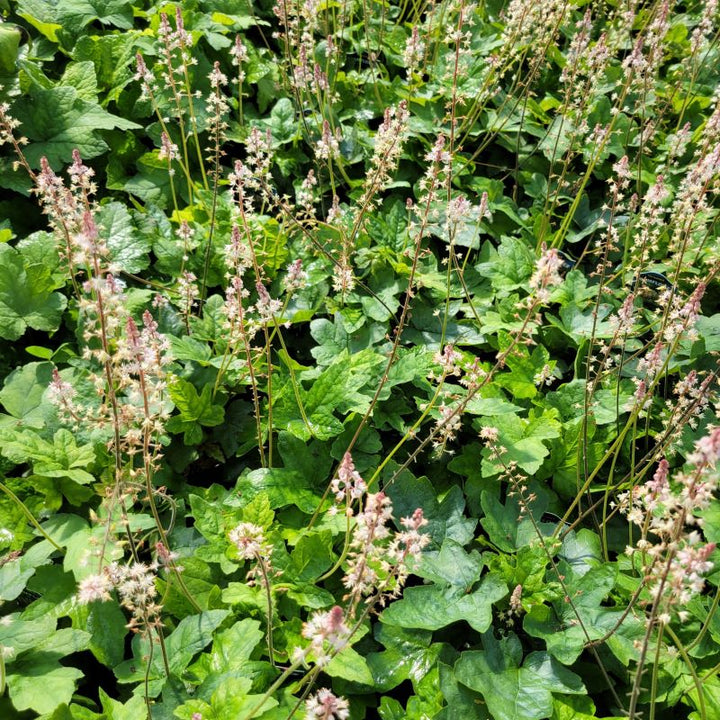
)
(447, 426)
(683, 316)
(515, 607)
(544, 376)
(61, 394)
(386, 156)
(8, 125)
(168, 151)
(239, 55)
(218, 109)
(135, 585)
(368, 551)
(306, 199)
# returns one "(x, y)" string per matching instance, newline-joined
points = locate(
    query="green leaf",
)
(579, 323)
(523, 367)
(348, 664)
(62, 458)
(574, 707)
(508, 267)
(408, 654)
(230, 655)
(187, 348)
(282, 486)
(71, 16)
(709, 329)
(23, 392)
(282, 123)
(191, 636)
(81, 76)
(114, 710)
(525, 440)
(18, 635)
(233, 647)
(195, 410)
(107, 626)
(231, 699)
(388, 228)
(391, 709)
(14, 575)
(311, 557)
(333, 338)
(510, 691)
(504, 525)
(111, 56)
(431, 607)
(9, 46)
(55, 589)
(462, 703)
(259, 511)
(338, 387)
(40, 683)
(57, 121)
(38, 16)
(79, 13)
(452, 565)
(26, 296)
(445, 519)
(566, 627)
(128, 247)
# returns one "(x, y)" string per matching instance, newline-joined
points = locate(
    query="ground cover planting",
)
(359, 360)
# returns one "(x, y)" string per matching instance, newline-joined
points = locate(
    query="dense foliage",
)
(359, 360)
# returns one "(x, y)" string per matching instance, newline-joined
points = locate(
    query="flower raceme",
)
(323, 705)
(249, 540)
(348, 484)
(328, 633)
(377, 567)
(378, 559)
(673, 554)
(135, 585)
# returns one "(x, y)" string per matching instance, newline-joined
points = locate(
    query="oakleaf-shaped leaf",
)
(431, 607)
(566, 628)
(409, 654)
(514, 692)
